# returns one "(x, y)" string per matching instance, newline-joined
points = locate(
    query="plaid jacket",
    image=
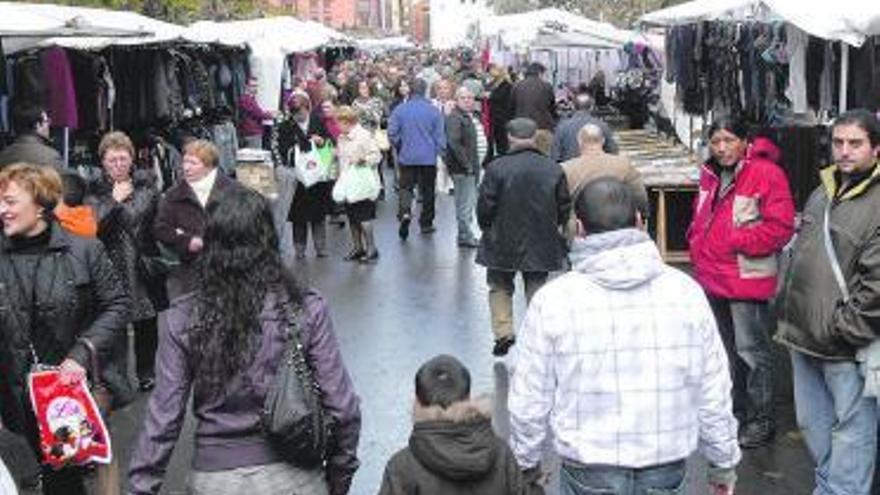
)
(622, 359)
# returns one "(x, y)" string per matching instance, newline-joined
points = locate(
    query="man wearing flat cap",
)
(522, 208)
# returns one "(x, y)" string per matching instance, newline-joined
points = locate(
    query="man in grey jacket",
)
(31, 125)
(566, 144)
(463, 163)
(827, 324)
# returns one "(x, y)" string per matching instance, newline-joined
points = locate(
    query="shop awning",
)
(849, 21)
(288, 34)
(26, 25)
(521, 30)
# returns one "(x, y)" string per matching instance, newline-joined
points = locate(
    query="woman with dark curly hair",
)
(225, 342)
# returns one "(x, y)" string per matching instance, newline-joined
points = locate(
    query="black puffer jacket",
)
(523, 203)
(77, 295)
(454, 450)
(126, 229)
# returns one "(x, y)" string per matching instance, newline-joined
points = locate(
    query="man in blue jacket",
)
(417, 134)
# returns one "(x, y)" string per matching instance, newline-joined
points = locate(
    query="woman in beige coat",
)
(356, 147)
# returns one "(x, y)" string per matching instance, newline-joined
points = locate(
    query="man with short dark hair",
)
(416, 130)
(31, 125)
(452, 448)
(829, 310)
(522, 206)
(533, 98)
(566, 144)
(621, 359)
(464, 134)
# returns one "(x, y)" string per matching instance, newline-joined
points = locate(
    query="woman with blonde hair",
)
(61, 300)
(358, 148)
(180, 221)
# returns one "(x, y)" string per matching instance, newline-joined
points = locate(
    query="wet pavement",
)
(426, 297)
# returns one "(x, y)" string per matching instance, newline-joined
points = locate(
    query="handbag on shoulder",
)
(293, 416)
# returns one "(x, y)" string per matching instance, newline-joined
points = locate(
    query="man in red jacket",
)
(743, 217)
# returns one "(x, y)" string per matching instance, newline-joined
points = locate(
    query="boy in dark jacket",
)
(452, 448)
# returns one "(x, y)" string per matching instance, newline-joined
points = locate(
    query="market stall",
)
(279, 47)
(787, 66)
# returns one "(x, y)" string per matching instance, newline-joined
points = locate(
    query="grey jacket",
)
(228, 433)
(461, 143)
(30, 148)
(812, 316)
(565, 137)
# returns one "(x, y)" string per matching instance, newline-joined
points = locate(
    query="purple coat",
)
(228, 431)
(251, 116)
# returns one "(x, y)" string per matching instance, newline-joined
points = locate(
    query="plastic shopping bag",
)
(72, 430)
(308, 167)
(357, 183)
(327, 157)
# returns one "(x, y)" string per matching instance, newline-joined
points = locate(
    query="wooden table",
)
(661, 219)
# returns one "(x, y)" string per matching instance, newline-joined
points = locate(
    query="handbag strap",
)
(93, 359)
(831, 254)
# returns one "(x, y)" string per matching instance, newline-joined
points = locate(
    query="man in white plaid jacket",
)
(621, 359)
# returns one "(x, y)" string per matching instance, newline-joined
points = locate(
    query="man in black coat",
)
(522, 208)
(533, 98)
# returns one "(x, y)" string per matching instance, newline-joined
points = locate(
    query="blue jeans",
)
(268, 479)
(465, 204)
(745, 329)
(838, 422)
(666, 479)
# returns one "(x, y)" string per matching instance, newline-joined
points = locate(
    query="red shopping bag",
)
(72, 430)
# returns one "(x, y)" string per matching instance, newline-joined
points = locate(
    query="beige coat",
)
(582, 170)
(358, 146)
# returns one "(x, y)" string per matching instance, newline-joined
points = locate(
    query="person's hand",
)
(122, 191)
(720, 489)
(318, 140)
(71, 372)
(196, 244)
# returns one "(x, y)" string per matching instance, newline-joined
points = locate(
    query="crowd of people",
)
(629, 364)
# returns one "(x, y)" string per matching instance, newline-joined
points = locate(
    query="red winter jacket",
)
(736, 234)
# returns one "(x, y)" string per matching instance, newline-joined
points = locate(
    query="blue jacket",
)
(417, 133)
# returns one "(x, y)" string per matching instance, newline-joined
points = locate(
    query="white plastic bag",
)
(7, 484)
(357, 184)
(308, 168)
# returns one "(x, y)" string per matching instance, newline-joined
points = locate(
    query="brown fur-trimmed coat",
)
(454, 450)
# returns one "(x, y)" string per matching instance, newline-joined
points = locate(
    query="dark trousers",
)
(745, 329)
(426, 178)
(146, 340)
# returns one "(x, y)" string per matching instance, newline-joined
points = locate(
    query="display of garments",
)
(864, 75)
(227, 143)
(796, 46)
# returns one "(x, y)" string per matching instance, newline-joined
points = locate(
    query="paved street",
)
(426, 297)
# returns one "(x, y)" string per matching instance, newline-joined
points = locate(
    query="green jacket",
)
(812, 316)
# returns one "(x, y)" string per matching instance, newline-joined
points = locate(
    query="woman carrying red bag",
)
(56, 289)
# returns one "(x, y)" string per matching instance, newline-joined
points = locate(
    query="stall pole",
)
(844, 75)
(66, 147)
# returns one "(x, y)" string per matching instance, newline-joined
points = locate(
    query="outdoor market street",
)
(426, 297)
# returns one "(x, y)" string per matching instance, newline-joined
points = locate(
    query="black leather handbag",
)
(293, 416)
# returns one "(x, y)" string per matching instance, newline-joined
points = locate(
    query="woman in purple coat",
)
(223, 346)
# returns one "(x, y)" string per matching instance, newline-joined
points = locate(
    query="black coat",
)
(522, 207)
(500, 113)
(126, 231)
(290, 135)
(461, 143)
(533, 98)
(77, 294)
(181, 217)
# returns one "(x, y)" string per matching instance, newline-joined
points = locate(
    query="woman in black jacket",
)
(303, 130)
(57, 290)
(125, 204)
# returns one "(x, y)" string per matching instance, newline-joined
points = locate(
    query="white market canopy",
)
(849, 21)
(553, 27)
(385, 44)
(78, 27)
(286, 34)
